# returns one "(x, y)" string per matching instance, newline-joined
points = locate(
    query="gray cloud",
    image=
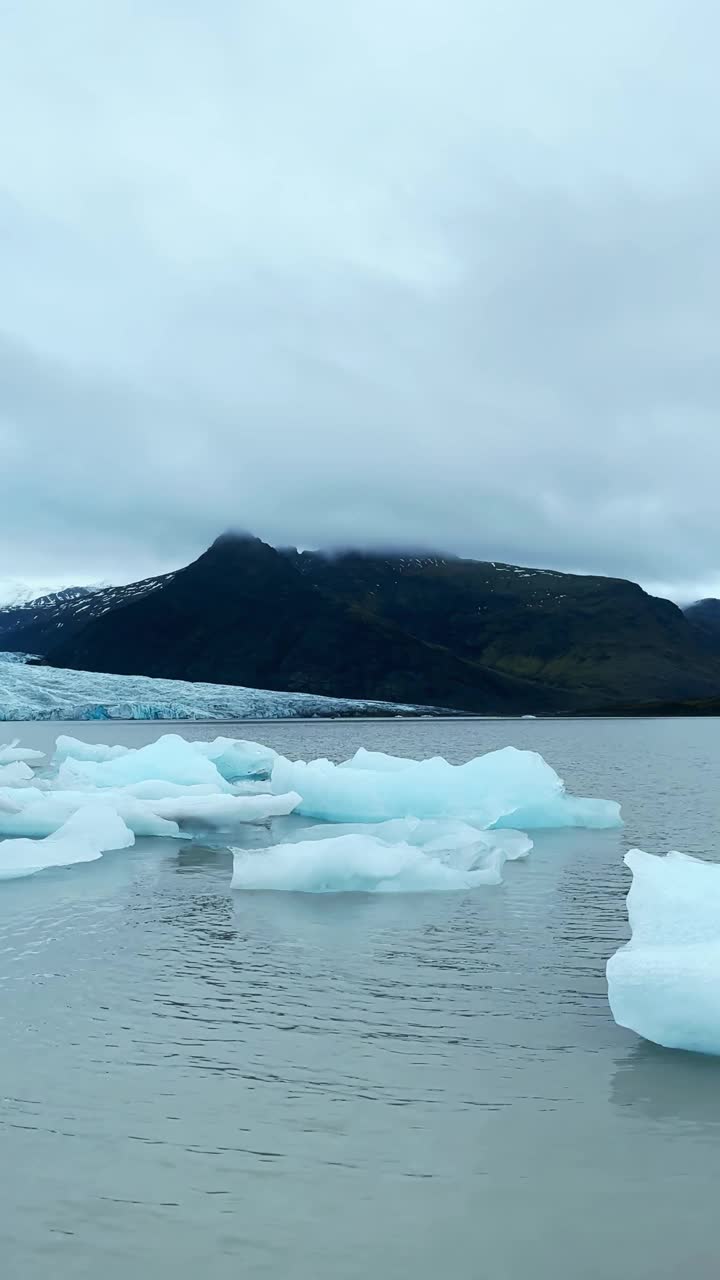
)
(407, 273)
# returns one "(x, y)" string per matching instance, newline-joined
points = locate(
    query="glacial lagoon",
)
(322, 1085)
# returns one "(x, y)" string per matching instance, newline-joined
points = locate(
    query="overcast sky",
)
(437, 273)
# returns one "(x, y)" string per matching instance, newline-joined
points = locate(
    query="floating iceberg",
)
(388, 824)
(363, 863)
(36, 814)
(29, 692)
(170, 759)
(83, 838)
(233, 758)
(16, 774)
(663, 984)
(237, 759)
(67, 748)
(223, 812)
(11, 752)
(507, 788)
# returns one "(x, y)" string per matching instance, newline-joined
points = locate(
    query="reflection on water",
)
(668, 1085)
(196, 1080)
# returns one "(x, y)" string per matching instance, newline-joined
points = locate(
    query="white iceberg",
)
(507, 788)
(88, 834)
(435, 836)
(17, 774)
(388, 824)
(359, 862)
(238, 759)
(170, 759)
(67, 748)
(232, 757)
(37, 813)
(663, 984)
(223, 812)
(11, 752)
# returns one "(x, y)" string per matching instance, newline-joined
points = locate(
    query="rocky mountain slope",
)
(472, 635)
(36, 626)
(244, 614)
(704, 616)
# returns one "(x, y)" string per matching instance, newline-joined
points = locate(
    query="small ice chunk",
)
(67, 748)
(224, 812)
(663, 984)
(83, 838)
(508, 788)
(10, 752)
(170, 759)
(17, 774)
(238, 759)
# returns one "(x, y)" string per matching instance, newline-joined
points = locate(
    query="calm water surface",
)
(195, 1081)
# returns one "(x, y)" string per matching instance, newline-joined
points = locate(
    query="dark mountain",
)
(465, 634)
(704, 616)
(244, 614)
(660, 710)
(603, 639)
(38, 626)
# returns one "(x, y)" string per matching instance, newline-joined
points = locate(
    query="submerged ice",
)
(386, 824)
(663, 984)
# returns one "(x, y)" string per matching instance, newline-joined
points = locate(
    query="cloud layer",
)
(406, 273)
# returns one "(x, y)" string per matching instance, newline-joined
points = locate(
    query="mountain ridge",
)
(478, 636)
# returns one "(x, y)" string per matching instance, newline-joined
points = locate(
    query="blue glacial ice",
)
(507, 788)
(170, 759)
(171, 755)
(663, 984)
(29, 692)
(388, 825)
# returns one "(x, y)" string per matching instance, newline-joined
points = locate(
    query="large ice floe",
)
(663, 984)
(31, 692)
(387, 824)
(503, 788)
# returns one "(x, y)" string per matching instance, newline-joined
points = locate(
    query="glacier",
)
(663, 984)
(386, 824)
(29, 692)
